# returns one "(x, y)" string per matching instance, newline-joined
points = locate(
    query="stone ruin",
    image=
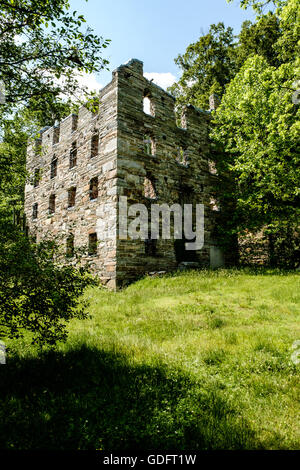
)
(132, 146)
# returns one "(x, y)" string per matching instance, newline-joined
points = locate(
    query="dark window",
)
(92, 243)
(71, 197)
(36, 179)
(94, 188)
(74, 122)
(52, 204)
(56, 135)
(95, 145)
(73, 155)
(150, 247)
(70, 246)
(35, 210)
(53, 171)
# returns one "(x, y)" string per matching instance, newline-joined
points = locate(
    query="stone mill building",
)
(132, 146)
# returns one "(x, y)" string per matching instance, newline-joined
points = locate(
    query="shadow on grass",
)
(91, 399)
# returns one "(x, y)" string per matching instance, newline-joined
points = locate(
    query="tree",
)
(37, 293)
(256, 139)
(207, 66)
(259, 38)
(43, 48)
(259, 6)
(211, 63)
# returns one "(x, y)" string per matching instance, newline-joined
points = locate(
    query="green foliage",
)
(37, 294)
(259, 38)
(255, 140)
(43, 48)
(288, 45)
(257, 135)
(212, 62)
(207, 66)
(260, 5)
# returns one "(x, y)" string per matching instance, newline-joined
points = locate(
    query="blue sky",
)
(154, 31)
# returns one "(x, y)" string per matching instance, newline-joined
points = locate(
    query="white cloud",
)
(89, 80)
(86, 81)
(164, 80)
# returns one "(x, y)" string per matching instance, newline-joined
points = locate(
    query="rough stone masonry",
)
(132, 146)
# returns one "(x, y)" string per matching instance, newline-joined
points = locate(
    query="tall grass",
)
(195, 360)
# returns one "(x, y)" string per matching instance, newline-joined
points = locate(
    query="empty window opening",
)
(148, 105)
(35, 210)
(73, 155)
(182, 156)
(94, 188)
(92, 243)
(95, 145)
(74, 122)
(36, 178)
(149, 188)
(38, 146)
(183, 121)
(53, 170)
(71, 197)
(56, 135)
(52, 204)
(149, 145)
(16, 217)
(212, 168)
(70, 246)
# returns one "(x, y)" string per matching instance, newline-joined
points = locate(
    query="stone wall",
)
(86, 216)
(142, 155)
(175, 181)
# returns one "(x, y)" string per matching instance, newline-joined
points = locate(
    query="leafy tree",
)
(212, 62)
(259, 38)
(42, 50)
(207, 66)
(288, 45)
(256, 139)
(43, 47)
(37, 294)
(259, 6)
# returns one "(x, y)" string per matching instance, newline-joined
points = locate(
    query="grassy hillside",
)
(197, 360)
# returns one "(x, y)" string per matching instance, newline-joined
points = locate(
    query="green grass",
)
(196, 360)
